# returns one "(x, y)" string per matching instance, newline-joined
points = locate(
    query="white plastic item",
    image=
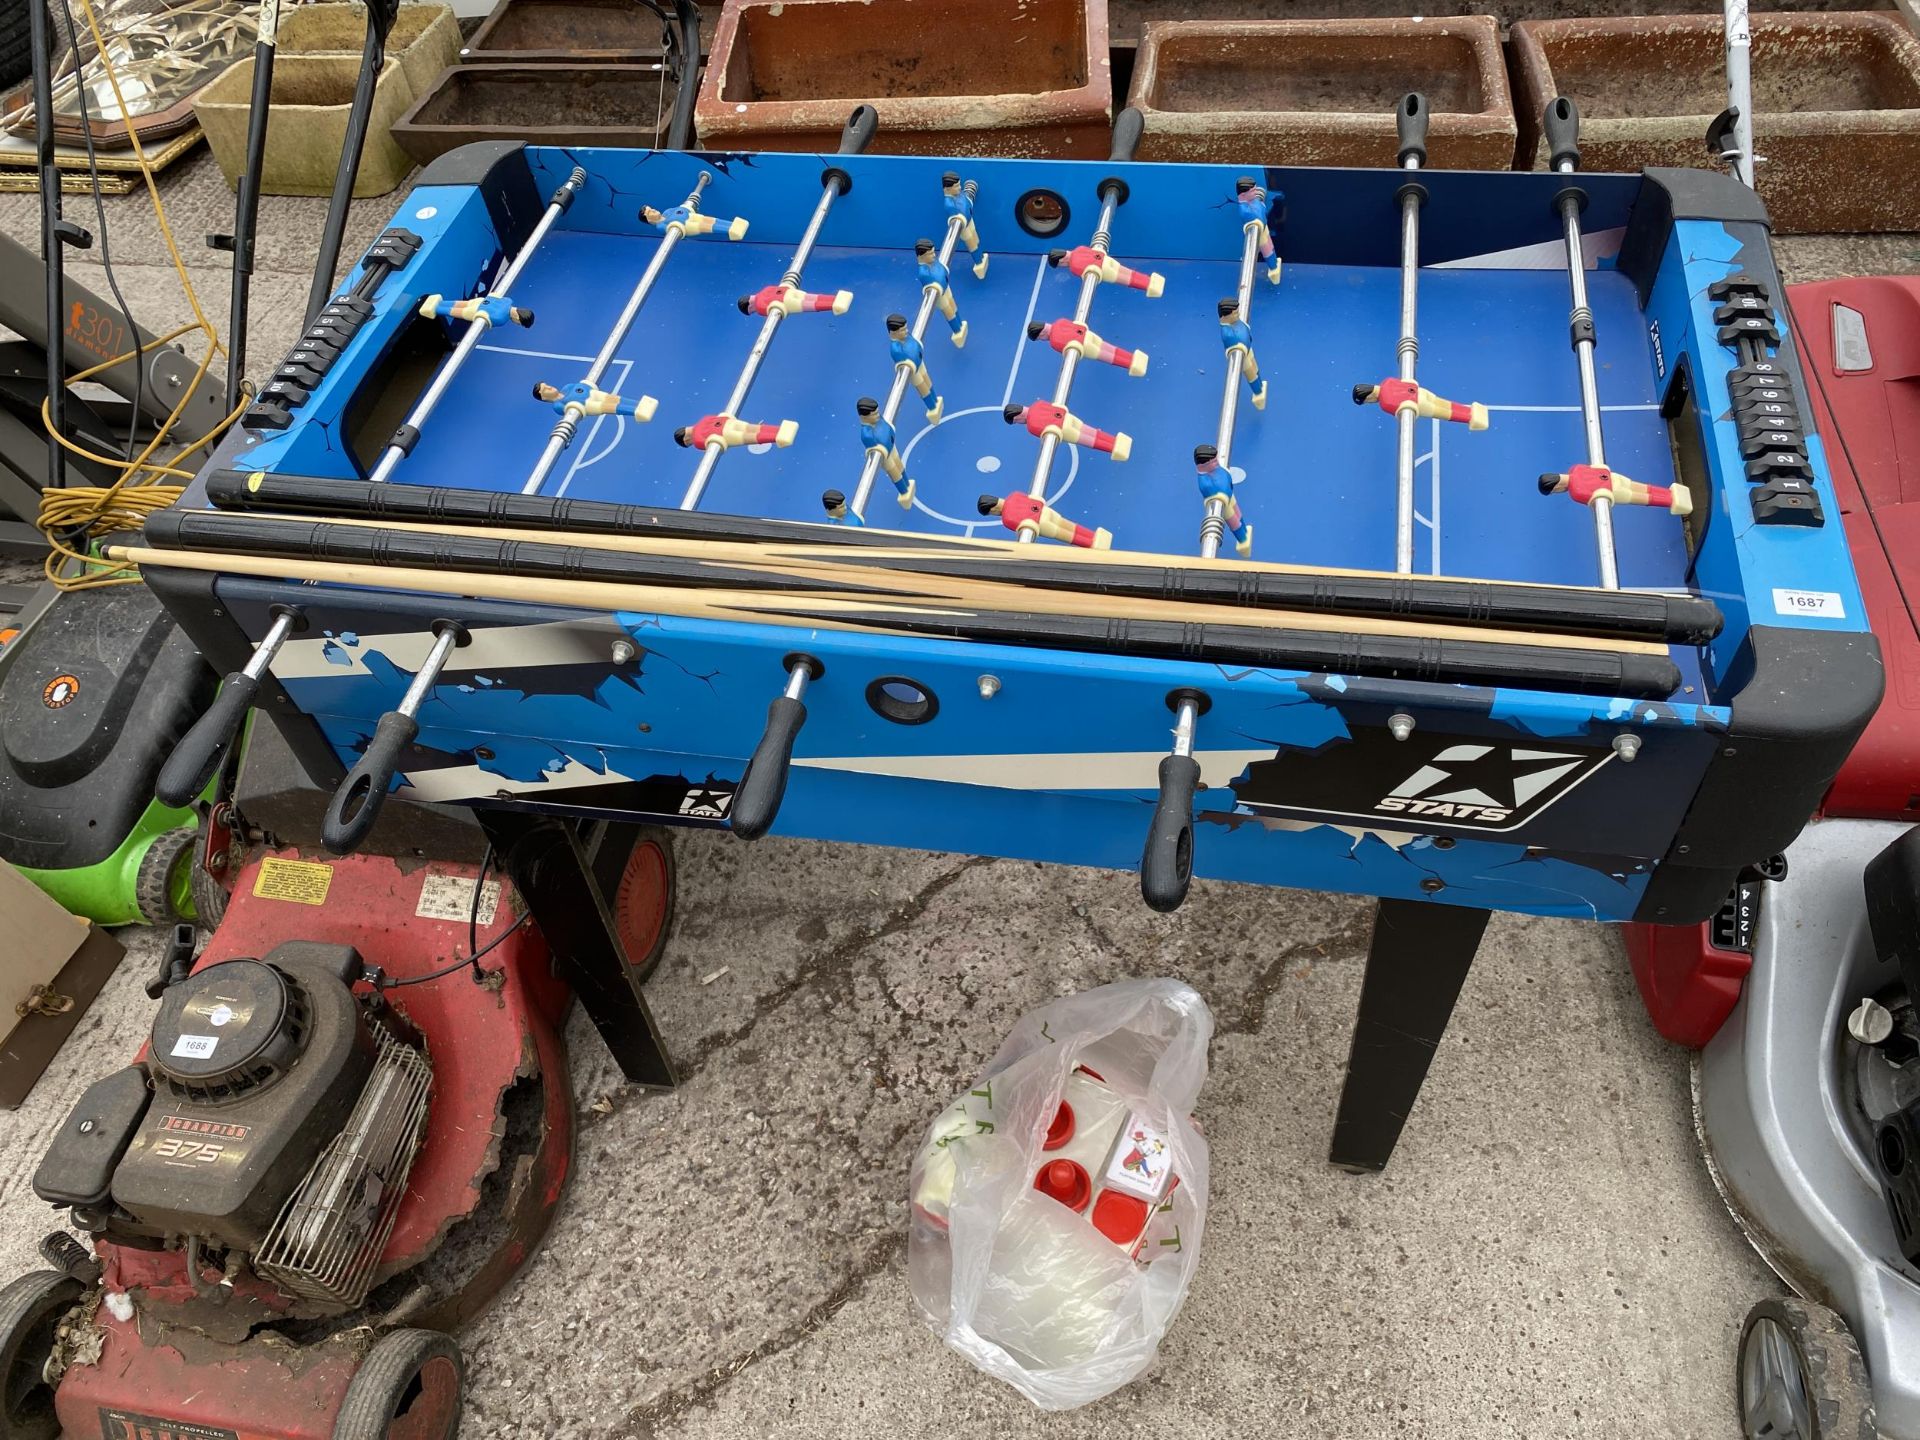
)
(1023, 1285)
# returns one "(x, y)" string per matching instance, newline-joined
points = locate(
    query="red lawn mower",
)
(351, 1125)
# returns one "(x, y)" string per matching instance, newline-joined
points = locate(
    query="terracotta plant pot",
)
(1322, 92)
(949, 77)
(1836, 106)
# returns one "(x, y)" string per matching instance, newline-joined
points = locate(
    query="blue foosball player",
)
(936, 278)
(1237, 336)
(958, 202)
(585, 399)
(1216, 493)
(878, 436)
(493, 311)
(909, 352)
(1254, 210)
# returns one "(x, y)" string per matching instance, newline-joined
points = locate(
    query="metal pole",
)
(710, 458)
(563, 432)
(1406, 418)
(1214, 526)
(372, 58)
(1069, 362)
(246, 209)
(40, 35)
(1740, 88)
(896, 395)
(478, 326)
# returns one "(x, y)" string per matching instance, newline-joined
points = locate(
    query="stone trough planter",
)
(311, 97)
(1836, 102)
(425, 39)
(580, 105)
(1322, 92)
(949, 77)
(569, 32)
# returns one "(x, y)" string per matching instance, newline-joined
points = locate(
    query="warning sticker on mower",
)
(196, 1047)
(304, 882)
(118, 1424)
(450, 897)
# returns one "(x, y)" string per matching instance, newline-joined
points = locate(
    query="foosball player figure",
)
(1083, 258)
(1237, 336)
(790, 300)
(1216, 484)
(692, 222)
(1584, 482)
(1042, 417)
(878, 436)
(1252, 201)
(586, 399)
(958, 202)
(1394, 395)
(493, 311)
(934, 278)
(1065, 335)
(1021, 512)
(726, 432)
(909, 353)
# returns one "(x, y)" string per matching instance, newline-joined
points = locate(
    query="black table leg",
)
(550, 868)
(1416, 965)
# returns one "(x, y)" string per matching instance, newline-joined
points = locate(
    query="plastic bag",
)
(1024, 1284)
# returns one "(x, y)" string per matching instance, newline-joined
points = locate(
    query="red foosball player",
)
(493, 311)
(1021, 512)
(1394, 395)
(1043, 418)
(1065, 335)
(726, 432)
(1585, 482)
(1083, 258)
(790, 300)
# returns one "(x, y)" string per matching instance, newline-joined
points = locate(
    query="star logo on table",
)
(703, 802)
(1485, 784)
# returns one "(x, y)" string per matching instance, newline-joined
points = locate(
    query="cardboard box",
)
(50, 971)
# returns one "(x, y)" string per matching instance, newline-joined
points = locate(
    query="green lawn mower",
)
(93, 696)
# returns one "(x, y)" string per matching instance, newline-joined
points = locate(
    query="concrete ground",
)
(1545, 1257)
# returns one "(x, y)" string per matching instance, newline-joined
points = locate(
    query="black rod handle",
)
(1166, 867)
(1563, 133)
(1128, 126)
(1410, 116)
(764, 786)
(356, 804)
(859, 130)
(200, 751)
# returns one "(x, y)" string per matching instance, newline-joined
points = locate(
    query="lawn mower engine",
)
(271, 1125)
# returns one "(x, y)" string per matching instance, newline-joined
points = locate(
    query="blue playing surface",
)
(1316, 472)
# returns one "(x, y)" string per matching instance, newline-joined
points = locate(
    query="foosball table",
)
(1455, 538)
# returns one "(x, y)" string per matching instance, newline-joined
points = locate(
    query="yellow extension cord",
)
(77, 517)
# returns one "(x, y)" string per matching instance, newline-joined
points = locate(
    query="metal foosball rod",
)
(481, 315)
(910, 365)
(575, 400)
(1593, 484)
(1213, 462)
(1412, 118)
(1052, 422)
(717, 433)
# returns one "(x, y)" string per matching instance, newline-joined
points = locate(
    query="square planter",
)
(570, 32)
(1322, 92)
(541, 104)
(311, 96)
(984, 77)
(425, 39)
(1836, 106)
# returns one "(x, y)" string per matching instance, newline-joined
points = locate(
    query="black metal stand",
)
(1416, 965)
(373, 55)
(550, 867)
(687, 19)
(246, 217)
(40, 36)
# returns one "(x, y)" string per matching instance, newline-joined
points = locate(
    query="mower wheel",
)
(408, 1388)
(643, 900)
(31, 1309)
(1800, 1376)
(162, 881)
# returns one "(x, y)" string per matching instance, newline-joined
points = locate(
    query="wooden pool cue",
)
(1447, 660)
(337, 543)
